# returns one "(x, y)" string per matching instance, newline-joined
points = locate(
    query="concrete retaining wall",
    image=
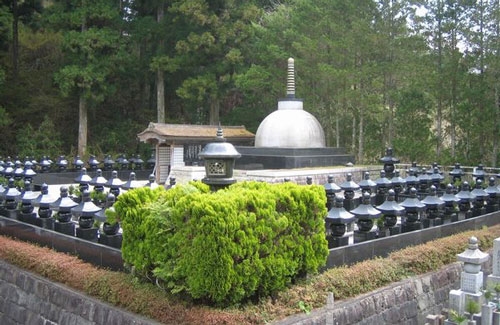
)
(29, 299)
(406, 302)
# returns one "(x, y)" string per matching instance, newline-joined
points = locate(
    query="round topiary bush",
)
(249, 240)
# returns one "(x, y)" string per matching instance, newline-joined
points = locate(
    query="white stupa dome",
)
(290, 126)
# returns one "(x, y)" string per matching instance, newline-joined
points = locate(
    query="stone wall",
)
(29, 299)
(406, 302)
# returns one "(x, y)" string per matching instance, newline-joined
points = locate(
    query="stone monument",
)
(471, 278)
(290, 137)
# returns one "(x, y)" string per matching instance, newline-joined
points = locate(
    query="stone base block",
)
(476, 212)
(432, 222)
(462, 215)
(11, 214)
(407, 227)
(337, 241)
(27, 217)
(87, 233)
(47, 223)
(113, 240)
(364, 236)
(471, 283)
(67, 228)
(491, 208)
(396, 230)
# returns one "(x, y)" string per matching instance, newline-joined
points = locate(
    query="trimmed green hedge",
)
(250, 240)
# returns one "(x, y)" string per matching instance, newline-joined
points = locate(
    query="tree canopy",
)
(88, 75)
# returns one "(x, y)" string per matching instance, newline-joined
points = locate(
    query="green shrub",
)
(250, 240)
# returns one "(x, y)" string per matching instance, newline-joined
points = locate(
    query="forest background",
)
(85, 76)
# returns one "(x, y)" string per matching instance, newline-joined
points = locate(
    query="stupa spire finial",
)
(290, 85)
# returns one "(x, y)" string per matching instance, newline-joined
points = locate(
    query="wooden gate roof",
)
(188, 133)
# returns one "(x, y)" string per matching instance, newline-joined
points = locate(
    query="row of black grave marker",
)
(383, 201)
(74, 215)
(29, 166)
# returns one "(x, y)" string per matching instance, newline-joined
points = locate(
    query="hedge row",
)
(250, 240)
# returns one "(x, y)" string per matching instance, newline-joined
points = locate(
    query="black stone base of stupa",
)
(253, 158)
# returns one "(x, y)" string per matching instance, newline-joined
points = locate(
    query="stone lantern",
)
(365, 214)
(450, 203)
(114, 184)
(151, 162)
(63, 206)
(83, 180)
(108, 162)
(26, 200)
(478, 204)
(493, 196)
(436, 178)
(98, 181)
(479, 173)
(466, 198)
(85, 212)
(366, 184)
(43, 202)
(171, 183)
(8, 171)
(93, 163)
(28, 173)
(122, 162)
(383, 185)
(337, 222)
(457, 173)
(413, 208)
(349, 187)
(433, 206)
(78, 163)
(388, 160)
(18, 171)
(109, 235)
(390, 210)
(151, 182)
(62, 164)
(414, 169)
(471, 278)
(219, 157)
(131, 183)
(10, 197)
(330, 189)
(45, 164)
(138, 162)
(411, 180)
(398, 184)
(424, 181)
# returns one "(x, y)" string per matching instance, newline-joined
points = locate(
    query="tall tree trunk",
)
(496, 133)
(15, 39)
(160, 96)
(360, 140)
(160, 78)
(439, 115)
(82, 126)
(214, 111)
(353, 140)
